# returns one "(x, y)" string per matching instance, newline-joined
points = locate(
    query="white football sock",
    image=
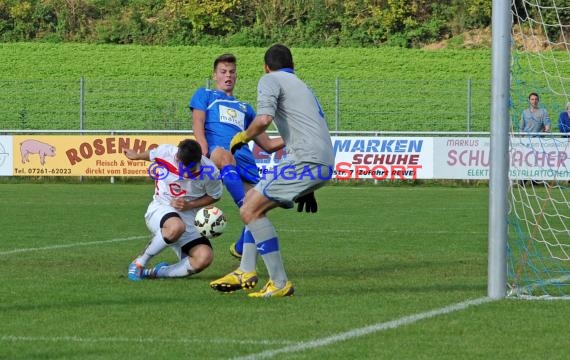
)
(180, 269)
(155, 246)
(248, 257)
(249, 252)
(262, 230)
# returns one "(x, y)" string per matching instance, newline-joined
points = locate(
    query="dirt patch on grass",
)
(482, 39)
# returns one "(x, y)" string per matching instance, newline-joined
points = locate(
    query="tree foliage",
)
(316, 23)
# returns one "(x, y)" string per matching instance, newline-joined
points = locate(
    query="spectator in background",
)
(534, 119)
(564, 121)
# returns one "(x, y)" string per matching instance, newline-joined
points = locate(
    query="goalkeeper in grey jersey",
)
(284, 99)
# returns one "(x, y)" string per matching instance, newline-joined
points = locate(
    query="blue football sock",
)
(239, 243)
(233, 184)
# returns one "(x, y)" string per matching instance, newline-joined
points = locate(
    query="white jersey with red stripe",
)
(170, 184)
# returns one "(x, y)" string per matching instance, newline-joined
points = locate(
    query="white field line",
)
(332, 231)
(63, 246)
(142, 340)
(294, 347)
(395, 231)
(290, 345)
(359, 332)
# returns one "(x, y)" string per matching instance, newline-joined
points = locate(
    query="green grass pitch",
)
(373, 257)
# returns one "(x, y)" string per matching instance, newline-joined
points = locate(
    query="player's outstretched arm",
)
(133, 155)
(198, 120)
(257, 127)
(268, 144)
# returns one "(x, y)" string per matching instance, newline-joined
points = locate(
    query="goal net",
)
(538, 264)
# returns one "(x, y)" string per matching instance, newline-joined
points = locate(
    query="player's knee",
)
(173, 230)
(222, 158)
(202, 258)
(247, 215)
(228, 158)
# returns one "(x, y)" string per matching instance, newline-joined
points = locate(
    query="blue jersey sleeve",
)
(249, 116)
(199, 100)
(225, 116)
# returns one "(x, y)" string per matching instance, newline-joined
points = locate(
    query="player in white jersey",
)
(284, 99)
(185, 182)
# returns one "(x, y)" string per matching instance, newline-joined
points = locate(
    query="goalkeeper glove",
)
(239, 140)
(308, 202)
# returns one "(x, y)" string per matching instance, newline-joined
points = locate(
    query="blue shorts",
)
(245, 164)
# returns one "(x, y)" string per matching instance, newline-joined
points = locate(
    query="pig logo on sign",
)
(36, 147)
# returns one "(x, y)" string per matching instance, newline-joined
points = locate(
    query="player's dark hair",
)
(278, 57)
(226, 58)
(535, 94)
(189, 152)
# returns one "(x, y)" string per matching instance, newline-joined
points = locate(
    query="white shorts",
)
(291, 179)
(154, 214)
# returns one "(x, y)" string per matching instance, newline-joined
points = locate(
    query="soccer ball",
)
(210, 221)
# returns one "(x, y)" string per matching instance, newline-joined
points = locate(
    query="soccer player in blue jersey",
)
(286, 101)
(217, 116)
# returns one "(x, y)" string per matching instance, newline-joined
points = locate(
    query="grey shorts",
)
(291, 179)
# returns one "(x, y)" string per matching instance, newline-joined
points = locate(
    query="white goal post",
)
(498, 173)
(529, 208)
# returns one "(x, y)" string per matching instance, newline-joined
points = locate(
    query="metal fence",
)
(162, 104)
